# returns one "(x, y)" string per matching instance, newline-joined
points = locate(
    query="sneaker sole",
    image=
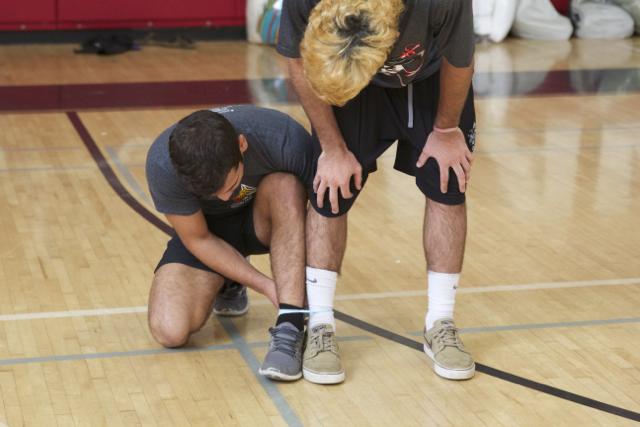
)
(317, 378)
(450, 374)
(231, 313)
(278, 376)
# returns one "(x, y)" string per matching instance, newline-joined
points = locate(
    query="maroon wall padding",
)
(562, 6)
(96, 14)
(140, 10)
(23, 14)
(148, 24)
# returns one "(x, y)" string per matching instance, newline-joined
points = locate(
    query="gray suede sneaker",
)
(283, 361)
(322, 364)
(444, 347)
(232, 300)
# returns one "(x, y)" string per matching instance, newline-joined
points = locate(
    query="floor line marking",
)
(126, 174)
(149, 352)
(269, 386)
(118, 96)
(49, 169)
(112, 354)
(73, 313)
(549, 325)
(52, 148)
(632, 281)
(111, 177)
(481, 131)
(503, 375)
(496, 373)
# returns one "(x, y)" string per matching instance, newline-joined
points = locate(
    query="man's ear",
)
(242, 142)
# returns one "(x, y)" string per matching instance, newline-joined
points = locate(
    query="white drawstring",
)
(410, 105)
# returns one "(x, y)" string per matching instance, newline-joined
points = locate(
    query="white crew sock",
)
(442, 296)
(321, 287)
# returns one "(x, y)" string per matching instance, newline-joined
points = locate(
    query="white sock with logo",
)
(442, 296)
(321, 287)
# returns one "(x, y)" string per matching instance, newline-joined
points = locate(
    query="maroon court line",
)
(111, 177)
(114, 96)
(74, 97)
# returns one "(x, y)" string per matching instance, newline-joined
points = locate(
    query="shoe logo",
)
(312, 280)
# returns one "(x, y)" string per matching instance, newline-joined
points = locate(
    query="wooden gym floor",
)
(550, 297)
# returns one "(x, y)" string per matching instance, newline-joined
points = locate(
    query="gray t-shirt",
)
(277, 143)
(429, 30)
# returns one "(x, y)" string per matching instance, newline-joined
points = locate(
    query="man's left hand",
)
(450, 150)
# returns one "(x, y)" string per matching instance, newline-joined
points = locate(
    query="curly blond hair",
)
(345, 44)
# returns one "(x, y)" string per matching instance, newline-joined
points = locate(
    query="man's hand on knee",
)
(450, 150)
(335, 169)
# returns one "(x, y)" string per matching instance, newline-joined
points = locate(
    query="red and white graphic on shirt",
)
(406, 65)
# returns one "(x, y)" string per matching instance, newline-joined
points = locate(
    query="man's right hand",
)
(335, 169)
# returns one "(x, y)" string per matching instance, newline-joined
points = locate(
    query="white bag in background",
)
(493, 18)
(600, 20)
(632, 7)
(539, 20)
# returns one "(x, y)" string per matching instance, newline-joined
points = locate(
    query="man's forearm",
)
(319, 112)
(454, 89)
(222, 258)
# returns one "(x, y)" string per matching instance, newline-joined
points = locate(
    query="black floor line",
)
(124, 194)
(488, 370)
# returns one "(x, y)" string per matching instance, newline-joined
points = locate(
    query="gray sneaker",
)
(444, 347)
(283, 361)
(232, 300)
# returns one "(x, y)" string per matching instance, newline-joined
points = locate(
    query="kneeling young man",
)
(232, 183)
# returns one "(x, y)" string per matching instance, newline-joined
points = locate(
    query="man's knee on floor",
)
(168, 334)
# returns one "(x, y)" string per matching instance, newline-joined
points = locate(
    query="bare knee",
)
(167, 333)
(288, 189)
(180, 302)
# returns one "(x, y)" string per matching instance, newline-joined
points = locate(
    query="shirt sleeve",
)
(456, 37)
(295, 155)
(169, 195)
(293, 23)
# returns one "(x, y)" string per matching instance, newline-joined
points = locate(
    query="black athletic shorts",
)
(236, 229)
(377, 117)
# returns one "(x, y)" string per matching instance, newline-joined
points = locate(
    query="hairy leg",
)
(444, 240)
(326, 241)
(279, 221)
(180, 302)
(445, 231)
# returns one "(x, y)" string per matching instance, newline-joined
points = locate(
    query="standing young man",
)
(232, 183)
(369, 73)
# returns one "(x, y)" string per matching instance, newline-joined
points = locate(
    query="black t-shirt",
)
(277, 143)
(429, 30)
